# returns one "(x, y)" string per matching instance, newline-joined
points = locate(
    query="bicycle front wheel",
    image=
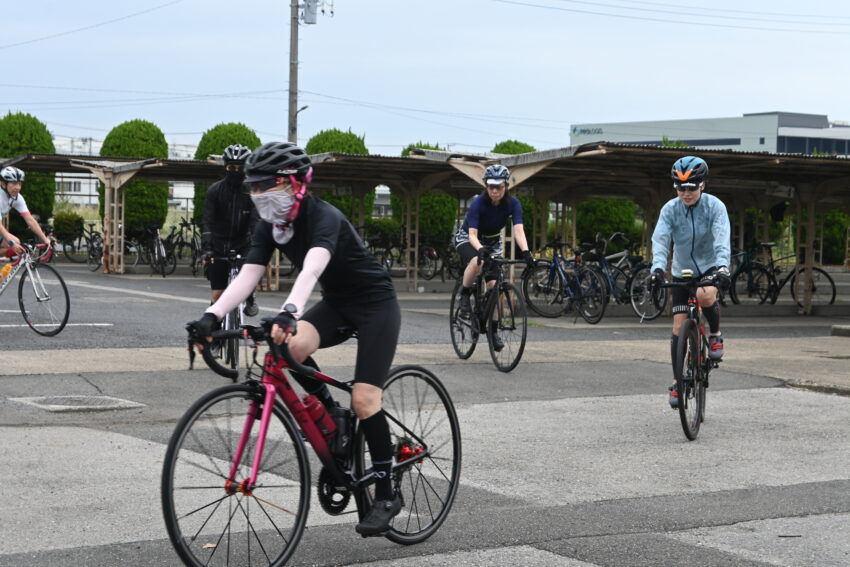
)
(95, 258)
(821, 284)
(222, 355)
(76, 250)
(43, 299)
(464, 330)
(508, 328)
(543, 290)
(208, 520)
(690, 383)
(425, 435)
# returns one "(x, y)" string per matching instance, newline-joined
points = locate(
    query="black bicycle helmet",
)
(277, 159)
(689, 168)
(498, 172)
(10, 173)
(235, 153)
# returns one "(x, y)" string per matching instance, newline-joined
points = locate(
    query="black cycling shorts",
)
(467, 252)
(679, 295)
(218, 273)
(377, 326)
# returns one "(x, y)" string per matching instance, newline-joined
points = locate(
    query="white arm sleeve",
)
(239, 289)
(315, 262)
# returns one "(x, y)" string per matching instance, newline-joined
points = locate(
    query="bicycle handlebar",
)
(693, 283)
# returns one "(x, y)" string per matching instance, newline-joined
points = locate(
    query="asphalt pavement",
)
(573, 459)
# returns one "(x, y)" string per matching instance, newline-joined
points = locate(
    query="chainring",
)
(333, 500)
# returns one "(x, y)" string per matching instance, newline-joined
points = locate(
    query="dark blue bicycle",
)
(560, 285)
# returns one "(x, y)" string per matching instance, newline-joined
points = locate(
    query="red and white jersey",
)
(17, 203)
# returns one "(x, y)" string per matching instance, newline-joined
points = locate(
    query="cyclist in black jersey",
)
(480, 233)
(228, 221)
(357, 293)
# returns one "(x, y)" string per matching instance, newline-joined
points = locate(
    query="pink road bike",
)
(236, 476)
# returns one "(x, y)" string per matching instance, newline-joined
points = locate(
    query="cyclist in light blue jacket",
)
(698, 227)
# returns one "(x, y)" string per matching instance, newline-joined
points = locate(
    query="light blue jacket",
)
(700, 235)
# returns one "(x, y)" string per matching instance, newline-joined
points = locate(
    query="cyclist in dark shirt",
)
(228, 221)
(357, 293)
(480, 234)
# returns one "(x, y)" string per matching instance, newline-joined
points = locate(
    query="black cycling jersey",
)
(353, 275)
(229, 218)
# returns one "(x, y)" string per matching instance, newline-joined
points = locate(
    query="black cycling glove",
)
(529, 259)
(285, 320)
(483, 253)
(205, 325)
(722, 279)
(657, 277)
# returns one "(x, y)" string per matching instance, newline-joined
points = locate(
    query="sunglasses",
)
(264, 185)
(498, 187)
(682, 187)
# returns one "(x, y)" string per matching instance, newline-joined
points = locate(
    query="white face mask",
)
(273, 206)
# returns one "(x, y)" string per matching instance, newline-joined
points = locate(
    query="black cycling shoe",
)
(377, 520)
(465, 307)
(498, 344)
(251, 308)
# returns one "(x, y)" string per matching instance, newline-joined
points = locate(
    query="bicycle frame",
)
(26, 261)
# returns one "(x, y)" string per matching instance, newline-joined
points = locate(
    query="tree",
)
(668, 143)
(213, 142)
(437, 211)
(335, 140)
(145, 202)
(513, 147)
(606, 216)
(532, 209)
(22, 133)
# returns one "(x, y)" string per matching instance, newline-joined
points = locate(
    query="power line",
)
(669, 21)
(698, 8)
(100, 24)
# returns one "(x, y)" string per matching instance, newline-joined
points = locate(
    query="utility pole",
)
(293, 72)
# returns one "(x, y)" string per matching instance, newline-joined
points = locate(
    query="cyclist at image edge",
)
(479, 235)
(11, 180)
(357, 292)
(228, 221)
(698, 226)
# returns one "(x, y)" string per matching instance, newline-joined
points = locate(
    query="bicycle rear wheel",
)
(821, 284)
(43, 299)
(209, 522)
(76, 250)
(425, 435)
(750, 287)
(592, 296)
(511, 326)
(543, 290)
(690, 382)
(95, 256)
(647, 303)
(464, 332)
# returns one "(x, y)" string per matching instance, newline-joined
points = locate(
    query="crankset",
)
(332, 498)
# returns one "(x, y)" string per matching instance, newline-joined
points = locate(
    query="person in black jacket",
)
(229, 219)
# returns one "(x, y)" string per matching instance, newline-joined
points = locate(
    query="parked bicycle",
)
(236, 476)
(42, 294)
(499, 312)
(693, 364)
(558, 286)
(185, 241)
(820, 284)
(77, 249)
(161, 260)
(750, 279)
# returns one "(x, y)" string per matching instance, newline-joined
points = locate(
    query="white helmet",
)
(11, 174)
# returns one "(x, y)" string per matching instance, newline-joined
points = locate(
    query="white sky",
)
(462, 73)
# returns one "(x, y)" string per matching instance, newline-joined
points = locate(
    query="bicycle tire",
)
(420, 414)
(751, 288)
(170, 263)
(43, 299)
(76, 250)
(647, 303)
(452, 265)
(222, 355)
(690, 382)
(592, 297)
(511, 326)
(823, 290)
(620, 291)
(464, 332)
(95, 255)
(543, 290)
(131, 253)
(210, 525)
(427, 266)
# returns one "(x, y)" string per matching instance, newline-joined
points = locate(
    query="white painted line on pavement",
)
(137, 292)
(10, 326)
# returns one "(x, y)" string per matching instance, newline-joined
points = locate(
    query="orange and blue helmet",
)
(689, 169)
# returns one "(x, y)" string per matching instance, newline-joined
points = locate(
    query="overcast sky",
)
(465, 74)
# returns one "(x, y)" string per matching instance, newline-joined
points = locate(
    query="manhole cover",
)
(78, 403)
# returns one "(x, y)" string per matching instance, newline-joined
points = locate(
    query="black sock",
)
(377, 432)
(465, 290)
(674, 343)
(712, 315)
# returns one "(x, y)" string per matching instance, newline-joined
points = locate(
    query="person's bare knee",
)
(707, 296)
(305, 341)
(366, 400)
(678, 319)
